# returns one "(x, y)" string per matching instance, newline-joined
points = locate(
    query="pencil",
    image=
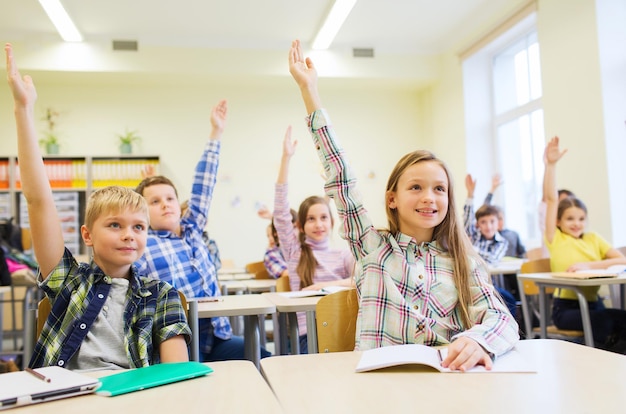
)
(38, 375)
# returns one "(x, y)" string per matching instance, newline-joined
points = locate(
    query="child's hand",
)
(23, 89)
(470, 184)
(147, 171)
(302, 70)
(218, 116)
(580, 266)
(496, 181)
(464, 354)
(553, 153)
(289, 146)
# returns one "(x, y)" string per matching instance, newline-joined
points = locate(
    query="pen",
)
(38, 375)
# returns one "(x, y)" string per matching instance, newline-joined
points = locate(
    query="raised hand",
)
(301, 68)
(23, 89)
(496, 181)
(218, 118)
(470, 185)
(289, 146)
(553, 153)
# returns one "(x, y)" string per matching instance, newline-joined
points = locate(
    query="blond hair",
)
(448, 234)
(114, 199)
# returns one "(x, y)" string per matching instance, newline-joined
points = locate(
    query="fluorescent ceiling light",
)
(61, 20)
(338, 14)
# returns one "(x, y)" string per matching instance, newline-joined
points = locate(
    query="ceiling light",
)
(61, 20)
(338, 14)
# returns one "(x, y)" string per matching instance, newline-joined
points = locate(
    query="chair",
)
(336, 321)
(282, 284)
(258, 270)
(531, 293)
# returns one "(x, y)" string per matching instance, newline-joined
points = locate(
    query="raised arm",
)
(289, 148)
(469, 220)
(551, 156)
(47, 236)
(305, 75)
(218, 120)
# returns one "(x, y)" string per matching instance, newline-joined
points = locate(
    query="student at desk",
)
(571, 249)
(420, 280)
(105, 315)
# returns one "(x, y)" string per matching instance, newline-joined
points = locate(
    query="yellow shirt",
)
(566, 250)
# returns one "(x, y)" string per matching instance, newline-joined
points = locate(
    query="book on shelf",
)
(308, 293)
(417, 354)
(611, 271)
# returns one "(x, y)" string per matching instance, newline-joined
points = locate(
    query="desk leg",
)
(584, 313)
(280, 333)
(252, 349)
(294, 333)
(30, 330)
(543, 314)
(311, 329)
(195, 330)
(528, 323)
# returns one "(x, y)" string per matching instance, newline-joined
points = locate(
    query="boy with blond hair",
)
(104, 315)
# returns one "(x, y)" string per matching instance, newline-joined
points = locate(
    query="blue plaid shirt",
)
(77, 293)
(274, 262)
(185, 261)
(491, 250)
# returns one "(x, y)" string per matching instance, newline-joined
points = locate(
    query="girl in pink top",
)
(311, 262)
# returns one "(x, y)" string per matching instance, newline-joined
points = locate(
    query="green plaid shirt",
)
(77, 293)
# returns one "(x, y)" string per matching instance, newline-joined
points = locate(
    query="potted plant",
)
(50, 140)
(126, 141)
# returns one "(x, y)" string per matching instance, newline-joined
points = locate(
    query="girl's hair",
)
(307, 264)
(154, 180)
(567, 203)
(448, 234)
(113, 199)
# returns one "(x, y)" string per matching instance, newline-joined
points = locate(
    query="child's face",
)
(421, 199)
(163, 207)
(488, 226)
(573, 221)
(318, 224)
(118, 240)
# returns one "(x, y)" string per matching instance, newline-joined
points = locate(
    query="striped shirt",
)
(185, 261)
(77, 293)
(332, 264)
(406, 291)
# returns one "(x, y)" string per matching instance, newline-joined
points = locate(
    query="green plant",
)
(50, 135)
(128, 137)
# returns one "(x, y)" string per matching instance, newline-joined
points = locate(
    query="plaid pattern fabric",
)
(274, 262)
(492, 251)
(185, 261)
(153, 313)
(407, 294)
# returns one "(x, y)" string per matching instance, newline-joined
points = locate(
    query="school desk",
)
(504, 267)
(289, 306)
(543, 280)
(248, 306)
(233, 387)
(570, 378)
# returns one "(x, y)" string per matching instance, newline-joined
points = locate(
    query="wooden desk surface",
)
(560, 281)
(233, 387)
(236, 305)
(286, 304)
(570, 378)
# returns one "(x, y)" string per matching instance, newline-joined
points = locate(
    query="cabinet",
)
(72, 180)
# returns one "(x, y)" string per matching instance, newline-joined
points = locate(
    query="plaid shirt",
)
(77, 293)
(491, 250)
(185, 261)
(407, 292)
(274, 262)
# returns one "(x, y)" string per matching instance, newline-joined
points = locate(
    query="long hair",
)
(308, 263)
(448, 234)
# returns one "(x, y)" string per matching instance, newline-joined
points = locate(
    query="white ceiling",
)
(409, 28)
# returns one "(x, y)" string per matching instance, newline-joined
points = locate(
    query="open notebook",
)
(141, 378)
(23, 388)
(612, 271)
(308, 293)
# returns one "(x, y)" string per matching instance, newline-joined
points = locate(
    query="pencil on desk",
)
(38, 375)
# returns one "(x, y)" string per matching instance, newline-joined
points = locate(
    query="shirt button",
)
(61, 363)
(317, 147)
(100, 295)
(82, 326)
(105, 308)
(421, 276)
(415, 307)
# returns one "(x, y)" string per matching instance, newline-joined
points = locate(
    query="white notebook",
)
(24, 388)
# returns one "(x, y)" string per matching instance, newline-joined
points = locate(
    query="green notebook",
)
(152, 376)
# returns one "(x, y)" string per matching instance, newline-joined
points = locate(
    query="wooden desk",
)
(248, 306)
(233, 387)
(570, 378)
(289, 306)
(544, 280)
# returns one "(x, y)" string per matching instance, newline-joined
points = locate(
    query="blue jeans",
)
(228, 349)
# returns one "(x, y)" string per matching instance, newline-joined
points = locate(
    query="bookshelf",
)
(72, 180)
